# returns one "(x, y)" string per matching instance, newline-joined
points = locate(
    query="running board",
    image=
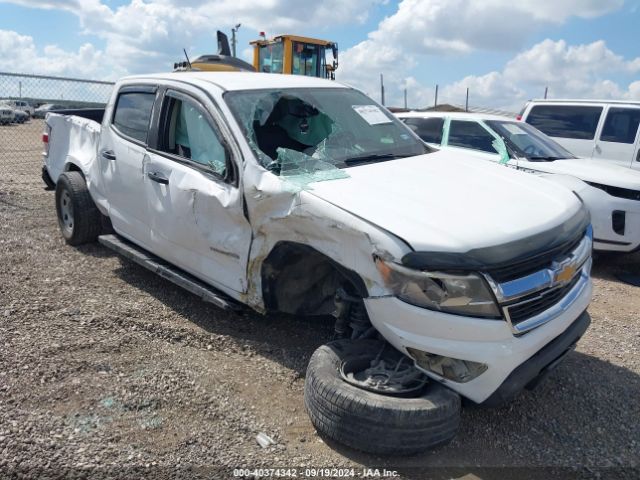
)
(168, 271)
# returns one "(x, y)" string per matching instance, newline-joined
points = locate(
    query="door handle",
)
(638, 156)
(108, 154)
(598, 149)
(158, 177)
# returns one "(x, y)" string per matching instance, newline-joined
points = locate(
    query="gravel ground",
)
(108, 370)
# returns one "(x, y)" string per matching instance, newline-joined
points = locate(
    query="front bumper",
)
(533, 370)
(602, 206)
(491, 342)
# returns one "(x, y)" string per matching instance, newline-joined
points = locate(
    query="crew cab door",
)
(619, 135)
(195, 204)
(122, 155)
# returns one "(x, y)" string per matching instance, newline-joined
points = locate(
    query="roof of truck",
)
(456, 115)
(243, 80)
(583, 100)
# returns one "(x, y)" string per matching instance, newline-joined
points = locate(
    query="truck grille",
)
(533, 264)
(537, 303)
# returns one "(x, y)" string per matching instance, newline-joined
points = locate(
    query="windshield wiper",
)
(373, 158)
(544, 159)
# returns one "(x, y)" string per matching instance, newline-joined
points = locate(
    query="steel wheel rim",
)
(393, 375)
(66, 212)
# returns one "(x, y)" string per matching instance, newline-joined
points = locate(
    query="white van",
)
(599, 129)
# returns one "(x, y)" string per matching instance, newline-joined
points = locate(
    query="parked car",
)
(7, 114)
(611, 192)
(41, 111)
(20, 116)
(603, 130)
(20, 105)
(446, 276)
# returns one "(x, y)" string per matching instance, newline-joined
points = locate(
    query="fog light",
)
(618, 221)
(454, 369)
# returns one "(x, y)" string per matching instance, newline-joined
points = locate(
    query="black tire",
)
(78, 216)
(369, 421)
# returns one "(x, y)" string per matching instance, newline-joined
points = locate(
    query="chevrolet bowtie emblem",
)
(565, 273)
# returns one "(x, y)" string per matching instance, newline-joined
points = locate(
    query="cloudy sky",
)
(504, 51)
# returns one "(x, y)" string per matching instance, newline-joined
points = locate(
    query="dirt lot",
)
(108, 370)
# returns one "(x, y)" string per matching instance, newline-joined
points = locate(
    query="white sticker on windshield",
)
(513, 129)
(371, 114)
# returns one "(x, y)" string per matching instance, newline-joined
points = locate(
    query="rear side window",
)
(621, 125)
(470, 135)
(133, 113)
(566, 121)
(428, 129)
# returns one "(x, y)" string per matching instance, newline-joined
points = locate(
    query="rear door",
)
(572, 126)
(618, 137)
(195, 204)
(122, 155)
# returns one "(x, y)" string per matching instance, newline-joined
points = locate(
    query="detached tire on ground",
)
(78, 216)
(370, 421)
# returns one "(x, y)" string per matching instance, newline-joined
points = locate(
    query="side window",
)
(470, 135)
(566, 121)
(188, 134)
(428, 129)
(132, 114)
(621, 125)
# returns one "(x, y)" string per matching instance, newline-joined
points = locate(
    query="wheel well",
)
(72, 167)
(298, 279)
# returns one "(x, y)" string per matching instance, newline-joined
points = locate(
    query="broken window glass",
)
(310, 134)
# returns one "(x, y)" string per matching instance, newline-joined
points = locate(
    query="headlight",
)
(464, 294)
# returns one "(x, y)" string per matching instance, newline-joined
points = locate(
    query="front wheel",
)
(78, 216)
(366, 395)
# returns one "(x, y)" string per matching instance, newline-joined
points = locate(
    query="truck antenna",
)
(185, 54)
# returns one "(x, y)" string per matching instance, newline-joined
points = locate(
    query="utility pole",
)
(435, 101)
(405, 98)
(382, 89)
(546, 90)
(234, 30)
(466, 103)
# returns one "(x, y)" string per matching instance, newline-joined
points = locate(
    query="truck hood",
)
(449, 202)
(595, 171)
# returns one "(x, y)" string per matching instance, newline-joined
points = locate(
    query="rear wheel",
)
(367, 395)
(78, 216)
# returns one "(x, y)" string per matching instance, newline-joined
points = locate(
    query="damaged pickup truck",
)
(445, 276)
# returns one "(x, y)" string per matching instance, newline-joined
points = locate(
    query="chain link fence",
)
(21, 135)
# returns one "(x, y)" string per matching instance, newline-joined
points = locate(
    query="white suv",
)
(603, 130)
(611, 192)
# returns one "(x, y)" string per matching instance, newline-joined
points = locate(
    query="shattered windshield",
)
(528, 142)
(319, 130)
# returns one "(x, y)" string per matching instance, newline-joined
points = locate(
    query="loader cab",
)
(291, 54)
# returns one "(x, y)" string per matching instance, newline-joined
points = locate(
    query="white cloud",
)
(422, 28)
(144, 36)
(570, 71)
(18, 53)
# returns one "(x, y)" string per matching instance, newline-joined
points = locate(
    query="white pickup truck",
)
(445, 276)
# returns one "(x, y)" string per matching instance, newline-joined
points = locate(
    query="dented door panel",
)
(197, 223)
